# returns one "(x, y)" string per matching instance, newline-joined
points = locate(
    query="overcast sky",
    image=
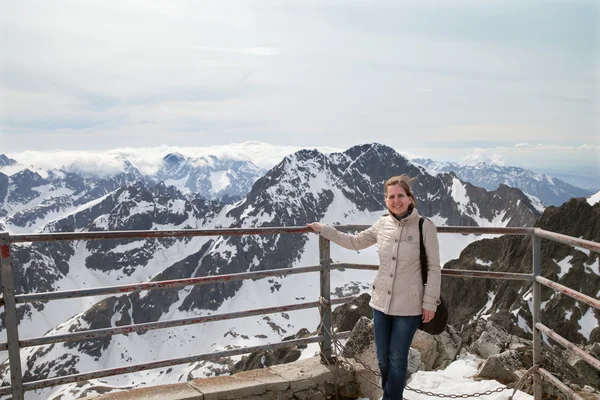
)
(515, 81)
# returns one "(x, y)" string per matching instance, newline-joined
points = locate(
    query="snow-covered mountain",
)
(5, 161)
(209, 176)
(30, 199)
(551, 191)
(306, 186)
(509, 303)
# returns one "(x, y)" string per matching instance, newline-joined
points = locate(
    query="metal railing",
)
(325, 334)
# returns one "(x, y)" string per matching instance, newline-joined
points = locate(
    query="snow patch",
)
(565, 266)
(593, 199)
(588, 323)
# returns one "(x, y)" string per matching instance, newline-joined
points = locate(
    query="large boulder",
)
(266, 358)
(487, 338)
(502, 367)
(437, 352)
(345, 316)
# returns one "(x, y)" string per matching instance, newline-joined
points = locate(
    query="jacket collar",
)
(411, 219)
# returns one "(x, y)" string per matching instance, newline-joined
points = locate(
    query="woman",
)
(399, 300)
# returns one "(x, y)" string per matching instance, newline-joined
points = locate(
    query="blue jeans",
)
(393, 336)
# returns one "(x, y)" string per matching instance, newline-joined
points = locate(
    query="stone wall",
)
(306, 379)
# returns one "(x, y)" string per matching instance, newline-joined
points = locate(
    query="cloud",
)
(253, 51)
(148, 160)
(482, 155)
(306, 74)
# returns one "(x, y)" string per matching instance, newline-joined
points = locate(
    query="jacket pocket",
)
(406, 301)
(409, 250)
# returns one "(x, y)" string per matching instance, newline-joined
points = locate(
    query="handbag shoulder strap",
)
(423, 253)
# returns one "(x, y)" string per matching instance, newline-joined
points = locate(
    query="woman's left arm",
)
(434, 271)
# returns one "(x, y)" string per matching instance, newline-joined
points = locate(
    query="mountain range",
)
(336, 188)
(551, 191)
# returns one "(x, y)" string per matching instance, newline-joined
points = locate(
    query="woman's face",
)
(396, 200)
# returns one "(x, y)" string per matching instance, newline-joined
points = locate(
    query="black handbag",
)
(440, 319)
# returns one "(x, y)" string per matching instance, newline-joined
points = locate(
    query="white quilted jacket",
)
(398, 288)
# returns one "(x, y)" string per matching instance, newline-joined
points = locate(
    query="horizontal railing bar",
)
(342, 300)
(449, 272)
(570, 346)
(153, 234)
(5, 390)
(98, 333)
(569, 292)
(559, 237)
(171, 284)
(487, 274)
(3, 346)
(372, 267)
(342, 335)
(495, 230)
(164, 363)
(567, 391)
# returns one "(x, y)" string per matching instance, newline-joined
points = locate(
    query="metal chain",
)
(336, 374)
(339, 350)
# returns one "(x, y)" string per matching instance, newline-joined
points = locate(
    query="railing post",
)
(10, 318)
(536, 247)
(325, 307)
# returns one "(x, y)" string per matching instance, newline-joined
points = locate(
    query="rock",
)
(414, 361)
(594, 350)
(267, 358)
(346, 316)
(436, 352)
(501, 367)
(493, 340)
(588, 374)
(362, 338)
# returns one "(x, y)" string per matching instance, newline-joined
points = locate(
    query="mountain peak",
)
(5, 161)
(173, 158)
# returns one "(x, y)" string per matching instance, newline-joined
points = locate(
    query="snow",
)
(484, 263)
(593, 199)
(595, 267)
(536, 202)
(180, 184)
(90, 204)
(457, 378)
(219, 180)
(459, 194)
(522, 323)
(438, 220)
(588, 323)
(565, 266)
(486, 308)
(141, 207)
(123, 248)
(177, 206)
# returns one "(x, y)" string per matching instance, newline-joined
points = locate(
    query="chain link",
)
(338, 347)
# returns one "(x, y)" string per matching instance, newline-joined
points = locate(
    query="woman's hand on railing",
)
(315, 226)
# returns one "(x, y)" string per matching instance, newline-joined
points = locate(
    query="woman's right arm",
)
(360, 241)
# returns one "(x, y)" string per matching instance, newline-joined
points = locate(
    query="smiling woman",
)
(399, 299)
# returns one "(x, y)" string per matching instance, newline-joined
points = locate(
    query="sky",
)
(513, 81)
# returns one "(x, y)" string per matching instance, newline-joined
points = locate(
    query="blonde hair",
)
(404, 181)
